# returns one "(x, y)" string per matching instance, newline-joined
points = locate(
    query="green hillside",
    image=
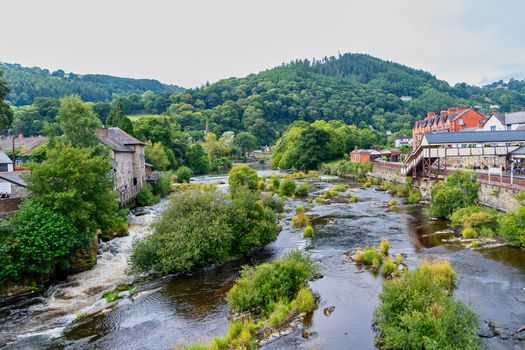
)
(28, 83)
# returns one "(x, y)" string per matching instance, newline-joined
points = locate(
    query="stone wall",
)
(498, 196)
(387, 173)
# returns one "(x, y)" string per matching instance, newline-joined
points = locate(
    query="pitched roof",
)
(515, 118)
(117, 139)
(474, 137)
(13, 177)
(26, 145)
(4, 159)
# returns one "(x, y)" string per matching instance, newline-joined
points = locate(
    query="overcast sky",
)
(193, 41)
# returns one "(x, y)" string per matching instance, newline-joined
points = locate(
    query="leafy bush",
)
(202, 226)
(302, 190)
(273, 202)
(242, 176)
(300, 220)
(163, 186)
(477, 220)
(469, 232)
(388, 267)
(512, 227)
(370, 254)
(183, 174)
(392, 203)
(340, 188)
(287, 188)
(263, 286)
(354, 199)
(414, 195)
(299, 209)
(384, 245)
(304, 300)
(275, 184)
(308, 232)
(418, 313)
(146, 196)
(458, 191)
(39, 241)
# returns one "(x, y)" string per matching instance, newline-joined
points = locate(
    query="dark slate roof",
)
(500, 116)
(13, 177)
(515, 118)
(475, 137)
(122, 137)
(25, 145)
(4, 159)
(117, 139)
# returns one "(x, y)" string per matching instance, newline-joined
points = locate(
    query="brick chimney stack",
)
(431, 115)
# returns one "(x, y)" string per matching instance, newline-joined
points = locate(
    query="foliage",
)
(354, 199)
(78, 122)
(40, 240)
(388, 267)
(156, 155)
(392, 203)
(164, 185)
(371, 254)
(273, 202)
(308, 232)
(197, 159)
(384, 245)
(245, 142)
(478, 220)
(77, 183)
(118, 119)
(30, 83)
(458, 191)
(287, 187)
(242, 176)
(306, 146)
(6, 114)
(417, 312)
(300, 220)
(146, 196)
(302, 189)
(261, 287)
(512, 227)
(414, 196)
(201, 226)
(183, 174)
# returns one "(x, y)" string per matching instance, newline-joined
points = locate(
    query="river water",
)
(192, 308)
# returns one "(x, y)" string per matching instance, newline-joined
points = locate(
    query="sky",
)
(190, 42)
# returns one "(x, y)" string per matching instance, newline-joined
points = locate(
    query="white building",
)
(11, 184)
(505, 121)
(403, 140)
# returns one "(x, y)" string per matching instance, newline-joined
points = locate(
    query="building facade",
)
(456, 119)
(505, 121)
(127, 161)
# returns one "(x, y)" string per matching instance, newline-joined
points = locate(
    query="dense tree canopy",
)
(78, 122)
(6, 114)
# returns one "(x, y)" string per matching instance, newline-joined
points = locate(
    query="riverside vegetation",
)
(265, 299)
(201, 226)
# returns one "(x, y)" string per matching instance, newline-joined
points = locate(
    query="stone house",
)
(127, 161)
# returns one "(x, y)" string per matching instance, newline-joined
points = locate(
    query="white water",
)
(82, 292)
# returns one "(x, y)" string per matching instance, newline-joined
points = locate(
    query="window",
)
(493, 128)
(460, 122)
(3, 167)
(135, 181)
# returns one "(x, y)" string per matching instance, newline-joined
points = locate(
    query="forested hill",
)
(28, 83)
(355, 88)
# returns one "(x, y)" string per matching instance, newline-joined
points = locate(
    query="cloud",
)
(191, 42)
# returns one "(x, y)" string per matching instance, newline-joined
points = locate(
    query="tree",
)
(246, 143)
(77, 183)
(156, 155)
(102, 109)
(78, 122)
(197, 159)
(6, 114)
(242, 176)
(118, 119)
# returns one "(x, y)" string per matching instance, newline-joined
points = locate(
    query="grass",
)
(300, 220)
(384, 245)
(136, 117)
(111, 296)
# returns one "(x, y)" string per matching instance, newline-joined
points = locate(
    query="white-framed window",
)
(493, 128)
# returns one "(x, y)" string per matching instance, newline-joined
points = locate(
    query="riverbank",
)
(191, 308)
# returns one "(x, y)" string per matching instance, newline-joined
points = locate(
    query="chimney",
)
(453, 110)
(102, 132)
(443, 113)
(431, 115)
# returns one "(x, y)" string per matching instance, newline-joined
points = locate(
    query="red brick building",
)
(454, 119)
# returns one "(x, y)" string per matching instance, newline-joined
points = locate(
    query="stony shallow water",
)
(192, 308)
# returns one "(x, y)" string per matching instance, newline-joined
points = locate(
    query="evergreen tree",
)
(118, 118)
(6, 114)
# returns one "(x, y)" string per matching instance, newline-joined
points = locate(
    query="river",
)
(192, 308)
